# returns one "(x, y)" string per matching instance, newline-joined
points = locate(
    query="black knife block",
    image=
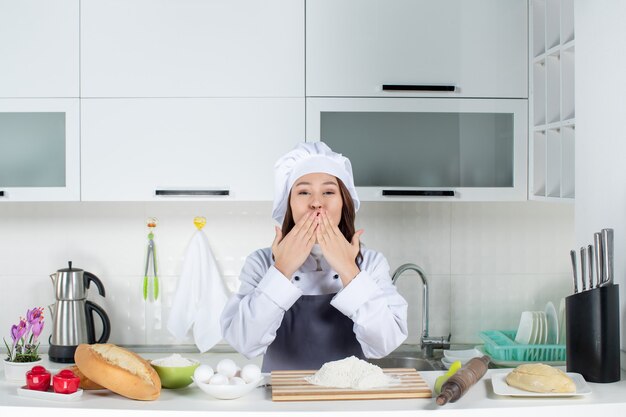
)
(592, 334)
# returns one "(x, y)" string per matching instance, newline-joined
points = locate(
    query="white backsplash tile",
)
(495, 302)
(485, 262)
(511, 238)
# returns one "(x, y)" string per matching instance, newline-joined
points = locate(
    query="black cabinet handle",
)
(418, 87)
(1, 193)
(182, 193)
(418, 193)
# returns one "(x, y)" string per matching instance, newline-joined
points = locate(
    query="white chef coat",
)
(253, 315)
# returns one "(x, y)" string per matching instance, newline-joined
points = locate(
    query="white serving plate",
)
(48, 395)
(229, 392)
(500, 387)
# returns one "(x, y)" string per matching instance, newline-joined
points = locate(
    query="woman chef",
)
(315, 295)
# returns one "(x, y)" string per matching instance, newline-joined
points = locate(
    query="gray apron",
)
(312, 333)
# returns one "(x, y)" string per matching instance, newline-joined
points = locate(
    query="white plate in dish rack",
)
(500, 387)
(553, 324)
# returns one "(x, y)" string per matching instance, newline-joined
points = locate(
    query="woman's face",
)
(312, 192)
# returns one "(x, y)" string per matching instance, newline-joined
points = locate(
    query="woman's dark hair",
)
(346, 224)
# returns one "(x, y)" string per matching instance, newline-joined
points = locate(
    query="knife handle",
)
(590, 265)
(607, 245)
(572, 255)
(583, 267)
(597, 241)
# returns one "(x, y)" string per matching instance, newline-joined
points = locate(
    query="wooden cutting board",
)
(291, 386)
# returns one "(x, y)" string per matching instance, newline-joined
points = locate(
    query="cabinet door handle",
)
(418, 193)
(1, 193)
(418, 87)
(182, 193)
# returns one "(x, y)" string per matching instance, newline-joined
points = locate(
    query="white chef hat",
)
(307, 158)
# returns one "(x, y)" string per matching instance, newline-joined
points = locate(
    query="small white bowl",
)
(228, 392)
(461, 355)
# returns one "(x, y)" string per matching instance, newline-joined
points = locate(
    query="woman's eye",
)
(329, 192)
(303, 192)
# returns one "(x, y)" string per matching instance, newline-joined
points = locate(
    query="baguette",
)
(540, 378)
(119, 370)
(85, 383)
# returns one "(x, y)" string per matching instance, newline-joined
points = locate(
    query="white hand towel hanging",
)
(200, 296)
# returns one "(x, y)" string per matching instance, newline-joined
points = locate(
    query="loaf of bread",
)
(119, 370)
(85, 383)
(538, 377)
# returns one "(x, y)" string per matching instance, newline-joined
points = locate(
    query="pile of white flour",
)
(350, 372)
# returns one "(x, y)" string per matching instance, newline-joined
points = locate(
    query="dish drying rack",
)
(501, 345)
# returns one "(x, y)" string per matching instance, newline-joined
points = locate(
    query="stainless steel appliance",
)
(72, 314)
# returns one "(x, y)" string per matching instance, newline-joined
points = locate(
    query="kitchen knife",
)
(607, 245)
(572, 255)
(583, 267)
(590, 265)
(597, 241)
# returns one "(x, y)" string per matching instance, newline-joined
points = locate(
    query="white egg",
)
(227, 367)
(203, 373)
(218, 379)
(250, 373)
(236, 381)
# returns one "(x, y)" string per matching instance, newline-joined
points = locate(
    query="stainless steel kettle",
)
(72, 314)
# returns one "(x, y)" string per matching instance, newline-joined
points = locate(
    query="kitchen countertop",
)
(609, 399)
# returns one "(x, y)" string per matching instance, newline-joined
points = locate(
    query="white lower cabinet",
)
(39, 150)
(159, 149)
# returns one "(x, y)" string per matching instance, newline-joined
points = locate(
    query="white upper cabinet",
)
(156, 149)
(39, 149)
(436, 149)
(478, 47)
(192, 48)
(39, 48)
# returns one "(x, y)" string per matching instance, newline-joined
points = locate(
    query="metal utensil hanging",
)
(151, 281)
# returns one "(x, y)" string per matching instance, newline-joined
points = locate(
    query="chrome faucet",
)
(427, 343)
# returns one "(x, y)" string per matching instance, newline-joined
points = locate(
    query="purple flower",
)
(17, 331)
(35, 321)
(34, 315)
(36, 329)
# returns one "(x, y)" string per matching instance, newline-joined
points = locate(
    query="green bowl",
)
(176, 376)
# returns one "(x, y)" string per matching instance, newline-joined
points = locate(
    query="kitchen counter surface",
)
(609, 399)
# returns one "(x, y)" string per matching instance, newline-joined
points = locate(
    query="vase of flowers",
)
(22, 353)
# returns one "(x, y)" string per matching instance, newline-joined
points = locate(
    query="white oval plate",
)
(500, 387)
(228, 392)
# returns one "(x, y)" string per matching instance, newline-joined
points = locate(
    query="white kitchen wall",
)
(486, 262)
(600, 145)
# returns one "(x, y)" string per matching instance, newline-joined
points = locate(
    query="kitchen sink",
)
(420, 364)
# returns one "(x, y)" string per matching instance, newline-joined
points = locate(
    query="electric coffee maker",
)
(72, 314)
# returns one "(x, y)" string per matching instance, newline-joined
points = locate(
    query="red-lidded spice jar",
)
(65, 382)
(38, 378)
